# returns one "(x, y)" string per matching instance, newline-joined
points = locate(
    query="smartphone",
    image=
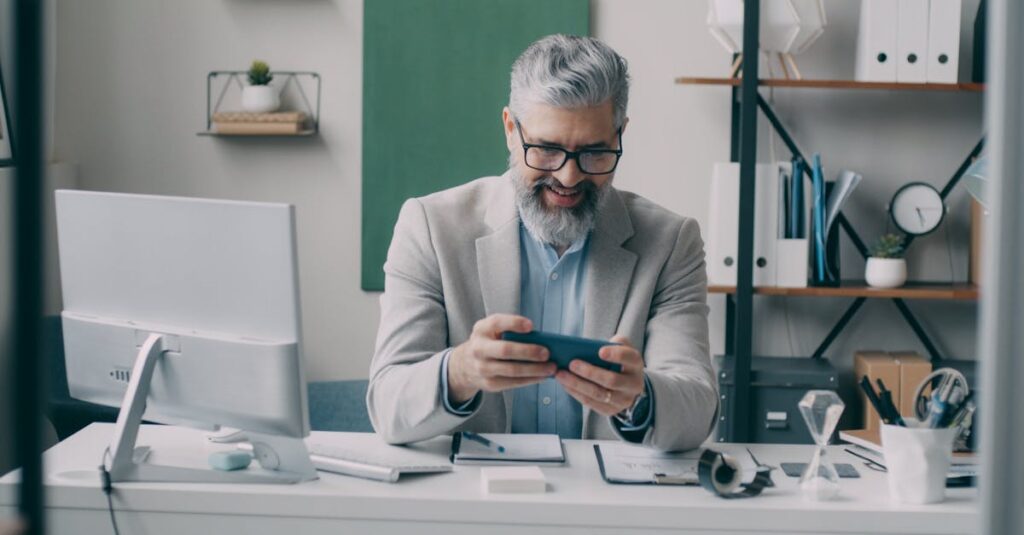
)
(565, 349)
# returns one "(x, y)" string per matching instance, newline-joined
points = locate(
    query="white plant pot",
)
(260, 98)
(886, 272)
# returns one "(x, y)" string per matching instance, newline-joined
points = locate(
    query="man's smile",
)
(563, 197)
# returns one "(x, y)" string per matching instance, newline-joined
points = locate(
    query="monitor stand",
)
(285, 459)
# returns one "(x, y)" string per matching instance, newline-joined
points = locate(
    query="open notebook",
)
(520, 448)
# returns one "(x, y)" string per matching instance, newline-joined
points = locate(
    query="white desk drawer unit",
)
(577, 501)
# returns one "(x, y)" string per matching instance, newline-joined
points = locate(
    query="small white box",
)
(512, 479)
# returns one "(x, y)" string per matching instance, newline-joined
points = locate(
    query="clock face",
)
(917, 208)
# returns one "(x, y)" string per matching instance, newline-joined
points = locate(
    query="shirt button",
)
(554, 276)
(546, 400)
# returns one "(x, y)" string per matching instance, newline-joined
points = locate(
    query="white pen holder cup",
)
(917, 459)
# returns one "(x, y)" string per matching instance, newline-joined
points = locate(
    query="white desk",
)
(577, 501)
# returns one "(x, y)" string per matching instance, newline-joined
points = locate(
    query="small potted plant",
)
(259, 96)
(886, 267)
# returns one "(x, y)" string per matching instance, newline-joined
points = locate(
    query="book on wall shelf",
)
(249, 123)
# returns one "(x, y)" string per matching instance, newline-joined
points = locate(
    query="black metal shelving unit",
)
(746, 102)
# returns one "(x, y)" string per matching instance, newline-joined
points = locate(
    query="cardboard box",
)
(875, 365)
(913, 369)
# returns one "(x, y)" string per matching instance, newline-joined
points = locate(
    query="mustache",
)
(586, 187)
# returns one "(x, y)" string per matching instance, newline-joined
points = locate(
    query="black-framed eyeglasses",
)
(552, 158)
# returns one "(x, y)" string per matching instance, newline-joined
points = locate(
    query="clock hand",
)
(920, 215)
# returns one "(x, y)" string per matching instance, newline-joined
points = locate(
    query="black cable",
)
(108, 489)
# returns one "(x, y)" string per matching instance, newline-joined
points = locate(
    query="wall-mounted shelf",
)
(833, 84)
(213, 133)
(298, 81)
(853, 288)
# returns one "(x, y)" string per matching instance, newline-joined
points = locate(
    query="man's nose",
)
(570, 174)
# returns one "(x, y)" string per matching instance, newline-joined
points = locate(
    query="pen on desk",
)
(871, 463)
(483, 440)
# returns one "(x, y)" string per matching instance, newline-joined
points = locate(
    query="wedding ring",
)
(607, 396)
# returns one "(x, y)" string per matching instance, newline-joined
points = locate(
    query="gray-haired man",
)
(550, 246)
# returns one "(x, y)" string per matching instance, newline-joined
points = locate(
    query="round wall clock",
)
(917, 208)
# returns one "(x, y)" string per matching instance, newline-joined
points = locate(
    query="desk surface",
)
(578, 500)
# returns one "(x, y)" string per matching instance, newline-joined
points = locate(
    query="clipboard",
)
(667, 469)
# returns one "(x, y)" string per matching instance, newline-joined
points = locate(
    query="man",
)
(548, 246)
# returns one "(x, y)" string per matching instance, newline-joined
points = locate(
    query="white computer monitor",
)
(185, 311)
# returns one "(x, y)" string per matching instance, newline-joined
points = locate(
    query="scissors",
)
(948, 388)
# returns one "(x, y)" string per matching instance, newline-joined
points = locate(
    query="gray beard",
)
(556, 226)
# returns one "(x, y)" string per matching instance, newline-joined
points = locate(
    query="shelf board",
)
(911, 290)
(214, 133)
(834, 84)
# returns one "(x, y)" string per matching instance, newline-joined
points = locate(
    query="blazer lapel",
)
(498, 262)
(497, 254)
(609, 269)
(609, 273)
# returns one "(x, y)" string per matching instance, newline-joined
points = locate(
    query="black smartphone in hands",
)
(565, 349)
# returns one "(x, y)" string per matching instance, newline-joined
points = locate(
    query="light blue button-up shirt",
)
(551, 296)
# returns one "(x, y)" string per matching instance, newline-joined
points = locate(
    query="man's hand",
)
(486, 362)
(605, 391)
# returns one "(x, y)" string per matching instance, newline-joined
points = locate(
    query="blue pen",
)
(483, 440)
(944, 398)
(936, 410)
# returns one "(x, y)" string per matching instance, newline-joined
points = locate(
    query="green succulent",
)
(259, 73)
(888, 246)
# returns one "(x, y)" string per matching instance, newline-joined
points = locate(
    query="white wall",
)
(130, 99)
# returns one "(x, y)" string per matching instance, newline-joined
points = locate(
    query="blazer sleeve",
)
(676, 349)
(404, 395)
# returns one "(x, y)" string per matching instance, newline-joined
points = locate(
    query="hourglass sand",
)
(821, 410)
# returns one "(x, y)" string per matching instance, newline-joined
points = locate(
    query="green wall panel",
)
(435, 78)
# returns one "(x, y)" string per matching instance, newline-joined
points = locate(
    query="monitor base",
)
(284, 459)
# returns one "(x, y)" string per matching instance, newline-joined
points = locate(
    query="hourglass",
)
(821, 410)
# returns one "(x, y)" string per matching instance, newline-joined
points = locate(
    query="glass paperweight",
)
(821, 410)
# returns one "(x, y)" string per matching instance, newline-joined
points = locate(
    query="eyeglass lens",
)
(552, 159)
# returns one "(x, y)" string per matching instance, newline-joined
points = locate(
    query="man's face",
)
(559, 206)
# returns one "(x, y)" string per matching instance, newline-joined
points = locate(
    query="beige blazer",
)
(454, 259)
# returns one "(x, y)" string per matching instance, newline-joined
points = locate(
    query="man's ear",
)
(509, 125)
(624, 123)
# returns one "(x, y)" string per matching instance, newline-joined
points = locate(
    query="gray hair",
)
(567, 71)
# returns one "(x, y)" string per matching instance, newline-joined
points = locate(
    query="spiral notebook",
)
(520, 448)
